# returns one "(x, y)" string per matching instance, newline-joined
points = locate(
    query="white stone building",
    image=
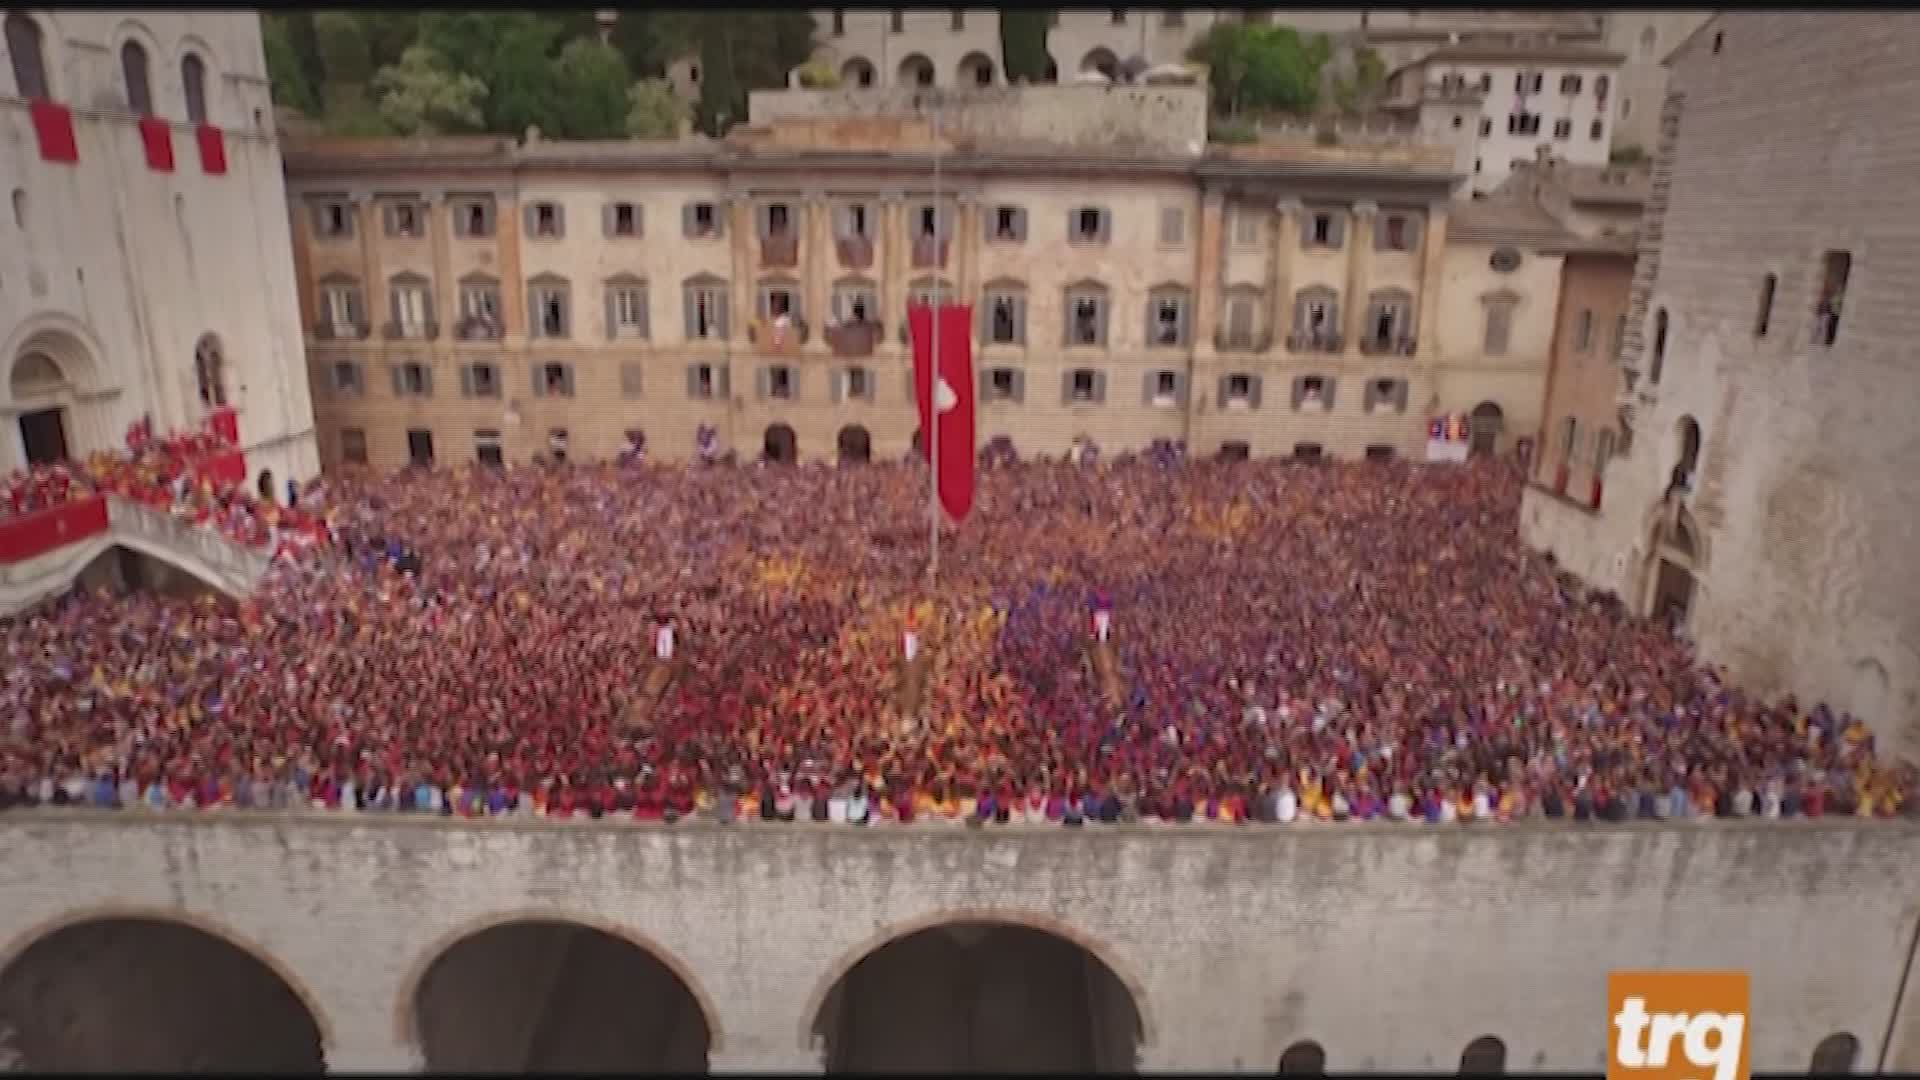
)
(1532, 95)
(151, 274)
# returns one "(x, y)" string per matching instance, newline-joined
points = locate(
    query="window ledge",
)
(1562, 498)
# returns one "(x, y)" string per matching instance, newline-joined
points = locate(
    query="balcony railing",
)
(850, 339)
(1379, 346)
(1314, 341)
(398, 331)
(929, 251)
(780, 249)
(856, 252)
(332, 331)
(780, 337)
(1230, 341)
(478, 328)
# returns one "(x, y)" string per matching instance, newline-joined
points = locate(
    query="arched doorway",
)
(1484, 425)
(264, 484)
(1102, 61)
(857, 72)
(556, 996)
(1686, 455)
(976, 69)
(980, 997)
(781, 445)
(916, 70)
(1671, 569)
(855, 444)
(153, 995)
(210, 373)
(1236, 450)
(1835, 1056)
(37, 386)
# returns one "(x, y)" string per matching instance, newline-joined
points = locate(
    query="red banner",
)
(227, 467)
(213, 149)
(225, 422)
(947, 400)
(24, 537)
(53, 127)
(156, 135)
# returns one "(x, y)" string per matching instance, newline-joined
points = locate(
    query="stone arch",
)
(1303, 1058)
(1032, 920)
(855, 444)
(210, 371)
(406, 1022)
(28, 39)
(65, 341)
(975, 69)
(781, 444)
(1484, 425)
(135, 34)
(1676, 556)
(23, 945)
(857, 71)
(916, 70)
(1484, 1056)
(1836, 1055)
(1102, 60)
(1686, 453)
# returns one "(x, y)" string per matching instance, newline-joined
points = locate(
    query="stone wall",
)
(1392, 947)
(1162, 119)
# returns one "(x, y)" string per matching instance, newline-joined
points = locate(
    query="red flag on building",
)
(53, 127)
(156, 135)
(946, 398)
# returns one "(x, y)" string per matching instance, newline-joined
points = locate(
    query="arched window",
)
(1306, 1057)
(193, 82)
(209, 373)
(133, 69)
(1835, 1056)
(26, 48)
(1659, 347)
(1484, 1056)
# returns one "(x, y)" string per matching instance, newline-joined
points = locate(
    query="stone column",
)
(1209, 263)
(891, 264)
(745, 275)
(513, 276)
(1353, 307)
(366, 218)
(1286, 249)
(1433, 263)
(964, 248)
(818, 264)
(445, 290)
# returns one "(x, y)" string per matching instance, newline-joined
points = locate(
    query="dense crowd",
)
(1288, 642)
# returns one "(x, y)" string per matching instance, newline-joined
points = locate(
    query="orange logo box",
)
(1677, 1025)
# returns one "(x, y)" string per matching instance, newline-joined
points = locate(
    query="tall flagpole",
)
(933, 361)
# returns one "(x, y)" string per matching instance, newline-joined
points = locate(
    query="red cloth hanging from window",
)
(53, 127)
(156, 135)
(213, 149)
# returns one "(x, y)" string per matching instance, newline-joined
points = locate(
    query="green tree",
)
(590, 81)
(654, 111)
(741, 51)
(291, 86)
(511, 52)
(1358, 89)
(419, 96)
(1023, 43)
(346, 107)
(1255, 66)
(389, 34)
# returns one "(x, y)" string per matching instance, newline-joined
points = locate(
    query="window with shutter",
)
(483, 381)
(630, 379)
(627, 311)
(1007, 225)
(623, 220)
(1087, 225)
(1173, 226)
(1086, 316)
(544, 221)
(701, 221)
(1001, 384)
(1499, 328)
(1167, 319)
(1240, 321)
(1247, 222)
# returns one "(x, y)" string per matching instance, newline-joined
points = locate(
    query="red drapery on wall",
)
(213, 149)
(53, 128)
(156, 135)
(38, 533)
(226, 467)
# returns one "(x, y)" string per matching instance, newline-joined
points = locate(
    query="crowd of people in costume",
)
(1139, 639)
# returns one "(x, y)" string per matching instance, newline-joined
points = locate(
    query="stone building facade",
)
(144, 264)
(253, 943)
(475, 297)
(1765, 487)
